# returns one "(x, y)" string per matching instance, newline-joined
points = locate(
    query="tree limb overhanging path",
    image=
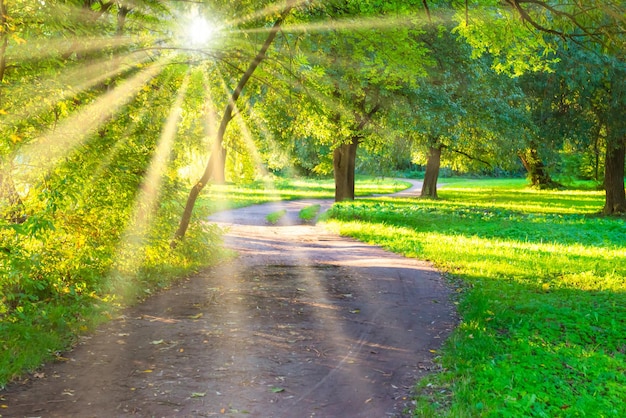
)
(303, 323)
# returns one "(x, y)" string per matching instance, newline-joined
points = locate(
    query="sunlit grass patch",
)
(543, 296)
(274, 217)
(230, 196)
(309, 213)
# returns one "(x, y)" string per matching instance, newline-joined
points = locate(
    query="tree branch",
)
(471, 157)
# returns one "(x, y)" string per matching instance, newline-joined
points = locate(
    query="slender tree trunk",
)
(429, 187)
(537, 172)
(4, 42)
(122, 13)
(344, 164)
(218, 152)
(11, 204)
(615, 199)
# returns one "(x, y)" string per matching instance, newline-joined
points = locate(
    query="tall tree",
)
(528, 31)
(217, 155)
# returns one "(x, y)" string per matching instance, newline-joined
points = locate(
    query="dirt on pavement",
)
(303, 323)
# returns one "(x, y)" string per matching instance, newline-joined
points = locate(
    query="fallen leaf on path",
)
(277, 390)
(156, 342)
(198, 394)
(198, 316)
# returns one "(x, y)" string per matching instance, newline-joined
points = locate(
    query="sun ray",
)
(80, 79)
(38, 49)
(74, 130)
(373, 23)
(270, 10)
(128, 258)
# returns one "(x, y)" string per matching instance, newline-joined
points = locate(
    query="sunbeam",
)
(72, 132)
(38, 49)
(80, 79)
(129, 250)
(270, 10)
(373, 23)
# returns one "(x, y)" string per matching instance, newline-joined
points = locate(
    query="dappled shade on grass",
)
(542, 296)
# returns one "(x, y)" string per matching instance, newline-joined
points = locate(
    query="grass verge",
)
(274, 217)
(542, 296)
(309, 213)
(230, 196)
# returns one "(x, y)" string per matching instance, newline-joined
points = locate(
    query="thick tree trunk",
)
(344, 156)
(429, 187)
(615, 199)
(217, 156)
(537, 173)
(344, 164)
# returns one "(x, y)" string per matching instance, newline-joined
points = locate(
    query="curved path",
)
(303, 323)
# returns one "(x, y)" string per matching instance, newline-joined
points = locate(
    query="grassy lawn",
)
(222, 197)
(541, 293)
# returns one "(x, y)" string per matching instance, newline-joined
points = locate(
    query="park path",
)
(303, 323)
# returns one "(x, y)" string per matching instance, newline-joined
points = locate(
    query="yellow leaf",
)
(3, 112)
(18, 40)
(15, 139)
(147, 371)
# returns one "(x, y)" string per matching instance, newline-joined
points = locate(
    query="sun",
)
(200, 31)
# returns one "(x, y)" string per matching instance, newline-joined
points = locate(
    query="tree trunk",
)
(344, 156)
(615, 199)
(11, 205)
(537, 173)
(218, 153)
(429, 187)
(344, 163)
(218, 157)
(4, 42)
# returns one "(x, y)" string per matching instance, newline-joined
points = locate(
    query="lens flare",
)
(200, 31)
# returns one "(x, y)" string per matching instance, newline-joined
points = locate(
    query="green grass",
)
(229, 196)
(309, 213)
(541, 292)
(274, 217)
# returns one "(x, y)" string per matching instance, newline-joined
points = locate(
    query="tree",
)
(462, 109)
(532, 30)
(347, 74)
(217, 156)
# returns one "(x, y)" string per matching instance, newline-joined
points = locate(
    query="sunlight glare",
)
(200, 31)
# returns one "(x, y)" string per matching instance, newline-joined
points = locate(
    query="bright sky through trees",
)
(200, 31)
